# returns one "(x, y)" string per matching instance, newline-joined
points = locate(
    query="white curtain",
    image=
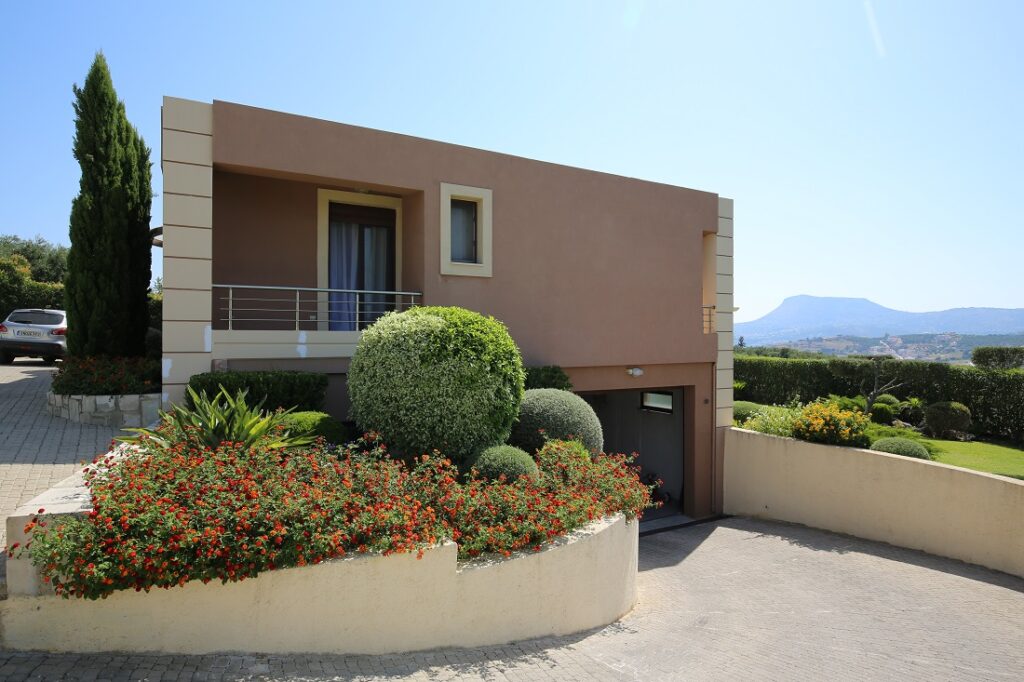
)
(376, 253)
(343, 273)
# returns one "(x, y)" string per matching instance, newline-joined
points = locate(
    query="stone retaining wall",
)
(116, 411)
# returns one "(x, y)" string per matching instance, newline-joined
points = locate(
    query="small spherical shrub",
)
(551, 413)
(945, 417)
(549, 376)
(437, 378)
(901, 446)
(826, 423)
(882, 413)
(321, 424)
(887, 399)
(742, 410)
(504, 460)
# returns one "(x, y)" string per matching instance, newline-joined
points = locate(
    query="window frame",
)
(655, 408)
(483, 198)
(324, 198)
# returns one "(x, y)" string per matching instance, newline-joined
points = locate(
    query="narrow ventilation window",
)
(657, 401)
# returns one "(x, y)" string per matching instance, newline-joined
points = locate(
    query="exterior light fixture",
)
(635, 371)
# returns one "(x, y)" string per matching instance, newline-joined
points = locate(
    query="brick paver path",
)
(731, 600)
(36, 450)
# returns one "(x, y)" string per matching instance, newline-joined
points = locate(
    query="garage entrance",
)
(652, 423)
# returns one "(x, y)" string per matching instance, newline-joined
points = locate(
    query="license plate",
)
(28, 332)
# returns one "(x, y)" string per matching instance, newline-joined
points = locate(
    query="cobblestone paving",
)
(36, 450)
(732, 600)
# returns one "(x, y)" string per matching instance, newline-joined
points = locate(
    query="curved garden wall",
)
(363, 604)
(940, 509)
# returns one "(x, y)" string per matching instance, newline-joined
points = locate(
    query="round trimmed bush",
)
(318, 424)
(882, 413)
(887, 399)
(944, 417)
(742, 410)
(550, 413)
(437, 378)
(504, 460)
(901, 446)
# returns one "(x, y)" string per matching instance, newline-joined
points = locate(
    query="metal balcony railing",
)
(247, 306)
(709, 319)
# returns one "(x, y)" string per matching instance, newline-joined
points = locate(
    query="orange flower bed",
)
(163, 517)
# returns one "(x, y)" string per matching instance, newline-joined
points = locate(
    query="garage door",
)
(651, 424)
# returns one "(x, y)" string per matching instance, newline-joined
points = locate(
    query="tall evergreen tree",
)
(109, 262)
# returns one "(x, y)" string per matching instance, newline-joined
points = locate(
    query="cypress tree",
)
(109, 261)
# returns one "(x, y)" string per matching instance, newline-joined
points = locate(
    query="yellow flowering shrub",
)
(827, 423)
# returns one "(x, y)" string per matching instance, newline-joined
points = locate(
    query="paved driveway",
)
(732, 600)
(37, 450)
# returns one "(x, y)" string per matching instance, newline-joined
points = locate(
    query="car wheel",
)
(50, 361)
(6, 359)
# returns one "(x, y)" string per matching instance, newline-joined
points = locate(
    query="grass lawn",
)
(994, 459)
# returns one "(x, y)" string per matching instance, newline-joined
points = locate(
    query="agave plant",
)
(223, 418)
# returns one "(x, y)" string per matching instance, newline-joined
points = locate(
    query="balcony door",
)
(360, 259)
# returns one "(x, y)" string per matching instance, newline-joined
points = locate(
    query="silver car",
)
(33, 333)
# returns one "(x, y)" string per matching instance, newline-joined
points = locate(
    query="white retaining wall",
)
(940, 509)
(358, 605)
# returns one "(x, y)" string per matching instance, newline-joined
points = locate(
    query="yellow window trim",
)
(483, 199)
(324, 198)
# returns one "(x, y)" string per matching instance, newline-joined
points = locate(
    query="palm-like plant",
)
(224, 418)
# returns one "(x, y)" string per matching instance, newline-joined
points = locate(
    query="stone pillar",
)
(724, 314)
(187, 165)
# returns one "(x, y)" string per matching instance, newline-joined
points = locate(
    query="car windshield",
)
(35, 317)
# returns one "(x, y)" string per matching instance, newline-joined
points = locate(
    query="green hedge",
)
(998, 357)
(305, 391)
(994, 397)
(548, 376)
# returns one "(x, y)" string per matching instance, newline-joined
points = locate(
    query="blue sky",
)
(873, 148)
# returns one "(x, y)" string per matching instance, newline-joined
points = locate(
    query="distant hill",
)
(952, 348)
(817, 317)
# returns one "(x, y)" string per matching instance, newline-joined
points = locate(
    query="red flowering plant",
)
(571, 490)
(107, 376)
(163, 516)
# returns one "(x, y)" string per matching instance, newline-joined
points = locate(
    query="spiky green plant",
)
(224, 418)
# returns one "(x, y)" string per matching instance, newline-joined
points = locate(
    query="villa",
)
(285, 236)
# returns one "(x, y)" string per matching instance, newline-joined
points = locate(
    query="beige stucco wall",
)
(940, 509)
(366, 604)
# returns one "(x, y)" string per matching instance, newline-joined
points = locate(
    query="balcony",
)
(267, 322)
(251, 307)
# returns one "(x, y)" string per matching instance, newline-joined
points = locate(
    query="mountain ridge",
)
(806, 317)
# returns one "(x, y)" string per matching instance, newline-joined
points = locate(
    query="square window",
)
(465, 230)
